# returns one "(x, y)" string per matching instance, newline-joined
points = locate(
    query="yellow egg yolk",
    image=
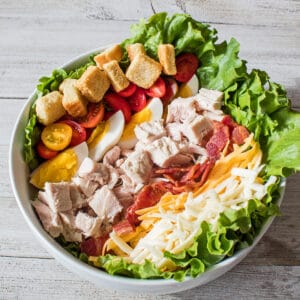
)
(60, 168)
(100, 132)
(184, 91)
(144, 115)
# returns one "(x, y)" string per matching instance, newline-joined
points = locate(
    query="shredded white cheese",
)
(175, 232)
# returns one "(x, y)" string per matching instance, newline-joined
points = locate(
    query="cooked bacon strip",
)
(123, 227)
(93, 246)
(148, 196)
(239, 134)
(227, 120)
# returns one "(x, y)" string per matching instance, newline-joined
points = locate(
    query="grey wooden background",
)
(38, 36)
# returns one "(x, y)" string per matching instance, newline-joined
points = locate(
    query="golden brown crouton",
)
(143, 71)
(135, 49)
(112, 53)
(116, 75)
(93, 84)
(166, 55)
(49, 108)
(73, 102)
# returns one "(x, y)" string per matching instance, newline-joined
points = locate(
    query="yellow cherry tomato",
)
(57, 136)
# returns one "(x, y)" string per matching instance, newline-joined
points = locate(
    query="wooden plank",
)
(256, 13)
(44, 278)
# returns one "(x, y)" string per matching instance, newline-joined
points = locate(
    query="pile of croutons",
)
(74, 95)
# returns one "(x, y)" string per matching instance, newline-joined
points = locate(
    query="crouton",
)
(143, 71)
(49, 108)
(73, 102)
(116, 75)
(112, 53)
(166, 55)
(93, 84)
(135, 49)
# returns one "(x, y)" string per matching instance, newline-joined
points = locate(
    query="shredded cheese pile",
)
(173, 223)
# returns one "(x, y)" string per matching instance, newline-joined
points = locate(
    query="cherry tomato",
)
(78, 134)
(171, 90)
(158, 89)
(128, 91)
(138, 100)
(108, 114)
(116, 102)
(94, 116)
(186, 65)
(45, 152)
(57, 136)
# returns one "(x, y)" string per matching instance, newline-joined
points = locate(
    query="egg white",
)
(190, 88)
(108, 139)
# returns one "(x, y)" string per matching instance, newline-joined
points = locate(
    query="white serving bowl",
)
(24, 192)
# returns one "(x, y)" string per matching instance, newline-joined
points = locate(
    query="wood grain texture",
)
(38, 36)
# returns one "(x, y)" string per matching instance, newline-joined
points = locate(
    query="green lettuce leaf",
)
(221, 67)
(186, 34)
(32, 136)
(263, 107)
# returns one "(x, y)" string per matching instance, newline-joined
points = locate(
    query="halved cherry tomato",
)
(116, 102)
(108, 114)
(128, 91)
(186, 65)
(158, 89)
(171, 90)
(94, 116)
(57, 136)
(45, 152)
(78, 134)
(138, 100)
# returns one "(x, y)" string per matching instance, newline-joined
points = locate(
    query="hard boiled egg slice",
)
(108, 138)
(152, 112)
(189, 88)
(60, 168)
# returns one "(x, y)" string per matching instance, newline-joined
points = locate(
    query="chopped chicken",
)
(111, 156)
(57, 196)
(163, 151)
(181, 109)
(148, 132)
(50, 220)
(174, 130)
(77, 198)
(197, 129)
(69, 231)
(105, 204)
(90, 226)
(138, 166)
(210, 100)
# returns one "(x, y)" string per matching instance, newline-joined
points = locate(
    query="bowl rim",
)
(67, 259)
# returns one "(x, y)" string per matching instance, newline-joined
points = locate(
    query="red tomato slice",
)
(94, 116)
(186, 65)
(138, 100)
(78, 132)
(45, 152)
(128, 91)
(158, 89)
(108, 114)
(93, 246)
(171, 90)
(116, 102)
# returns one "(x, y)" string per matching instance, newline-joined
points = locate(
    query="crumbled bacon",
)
(123, 227)
(239, 134)
(93, 246)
